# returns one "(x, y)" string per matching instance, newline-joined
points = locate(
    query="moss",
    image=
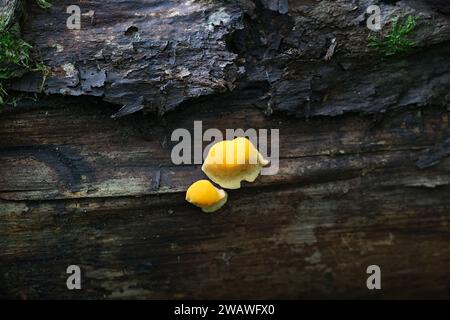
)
(45, 4)
(396, 41)
(16, 55)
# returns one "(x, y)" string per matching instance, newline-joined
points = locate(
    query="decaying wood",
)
(156, 55)
(364, 144)
(80, 188)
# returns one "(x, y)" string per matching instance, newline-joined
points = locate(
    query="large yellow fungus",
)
(204, 195)
(231, 161)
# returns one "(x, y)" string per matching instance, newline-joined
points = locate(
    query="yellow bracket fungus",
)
(231, 161)
(204, 195)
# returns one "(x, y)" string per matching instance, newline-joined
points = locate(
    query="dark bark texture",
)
(86, 175)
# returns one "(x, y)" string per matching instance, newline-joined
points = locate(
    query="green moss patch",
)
(16, 55)
(397, 40)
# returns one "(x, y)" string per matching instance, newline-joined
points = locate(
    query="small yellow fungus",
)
(204, 195)
(231, 161)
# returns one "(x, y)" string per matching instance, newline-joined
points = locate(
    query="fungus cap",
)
(230, 161)
(204, 195)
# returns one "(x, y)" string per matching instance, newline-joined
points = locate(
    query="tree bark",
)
(86, 176)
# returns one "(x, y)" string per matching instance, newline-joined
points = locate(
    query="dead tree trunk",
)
(364, 142)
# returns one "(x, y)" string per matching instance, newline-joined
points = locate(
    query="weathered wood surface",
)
(77, 187)
(367, 186)
(155, 55)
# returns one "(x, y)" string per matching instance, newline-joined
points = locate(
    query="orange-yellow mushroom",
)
(231, 161)
(204, 195)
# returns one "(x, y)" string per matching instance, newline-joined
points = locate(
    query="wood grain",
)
(364, 173)
(78, 187)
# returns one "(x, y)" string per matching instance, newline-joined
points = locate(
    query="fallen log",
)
(364, 169)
